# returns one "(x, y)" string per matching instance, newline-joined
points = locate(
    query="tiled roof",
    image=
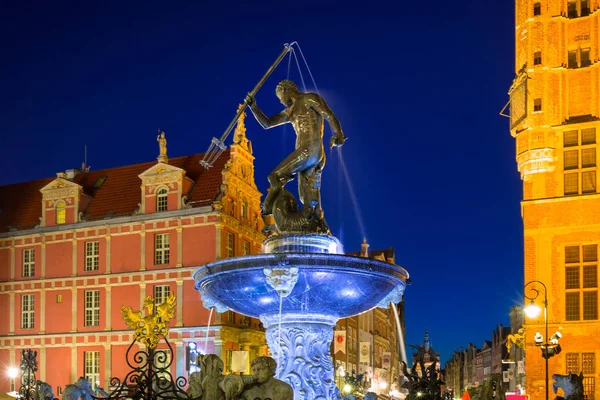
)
(21, 203)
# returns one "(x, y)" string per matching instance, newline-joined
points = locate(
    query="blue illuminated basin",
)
(335, 284)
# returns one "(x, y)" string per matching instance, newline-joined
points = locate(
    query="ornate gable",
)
(60, 201)
(160, 180)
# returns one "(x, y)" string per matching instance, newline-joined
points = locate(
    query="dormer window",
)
(161, 200)
(61, 213)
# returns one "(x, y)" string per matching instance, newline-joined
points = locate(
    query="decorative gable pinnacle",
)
(162, 148)
(239, 136)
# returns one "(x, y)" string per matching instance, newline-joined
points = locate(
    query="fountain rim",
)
(282, 260)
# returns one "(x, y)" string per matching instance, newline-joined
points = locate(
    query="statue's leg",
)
(299, 160)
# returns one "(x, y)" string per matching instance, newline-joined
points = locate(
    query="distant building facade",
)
(75, 248)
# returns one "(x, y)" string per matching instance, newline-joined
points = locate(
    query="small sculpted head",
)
(263, 368)
(285, 91)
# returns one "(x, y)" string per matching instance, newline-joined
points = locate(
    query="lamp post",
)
(12, 374)
(533, 310)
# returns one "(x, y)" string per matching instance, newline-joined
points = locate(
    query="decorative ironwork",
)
(149, 377)
(517, 338)
(150, 328)
(422, 382)
(29, 366)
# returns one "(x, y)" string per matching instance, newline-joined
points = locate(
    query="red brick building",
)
(75, 248)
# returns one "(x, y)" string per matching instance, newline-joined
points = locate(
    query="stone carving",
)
(82, 389)
(395, 296)
(210, 302)
(210, 384)
(571, 385)
(282, 280)
(306, 112)
(43, 391)
(305, 359)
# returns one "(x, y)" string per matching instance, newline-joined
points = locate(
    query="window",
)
(572, 61)
(537, 105)
(587, 367)
(92, 308)
(580, 161)
(571, 138)
(572, 9)
(27, 312)
(91, 361)
(585, 58)
(61, 213)
(228, 360)
(581, 282)
(537, 8)
(161, 292)
(246, 250)
(585, 8)
(229, 244)
(28, 263)
(92, 256)
(537, 58)
(244, 209)
(161, 249)
(161, 199)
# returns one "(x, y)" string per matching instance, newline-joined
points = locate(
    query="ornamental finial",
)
(148, 329)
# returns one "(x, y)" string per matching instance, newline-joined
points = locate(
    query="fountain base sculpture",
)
(315, 284)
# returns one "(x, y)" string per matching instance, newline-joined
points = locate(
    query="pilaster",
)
(143, 250)
(74, 313)
(11, 322)
(179, 303)
(179, 358)
(218, 241)
(107, 365)
(43, 363)
(42, 311)
(108, 246)
(142, 295)
(12, 263)
(74, 376)
(74, 261)
(179, 246)
(108, 301)
(43, 260)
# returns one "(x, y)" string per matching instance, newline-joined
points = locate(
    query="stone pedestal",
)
(302, 353)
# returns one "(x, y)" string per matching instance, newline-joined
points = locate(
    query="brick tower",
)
(555, 119)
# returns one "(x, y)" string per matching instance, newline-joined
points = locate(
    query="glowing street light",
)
(12, 374)
(533, 310)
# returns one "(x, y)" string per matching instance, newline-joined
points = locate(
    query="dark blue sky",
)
(417, 87)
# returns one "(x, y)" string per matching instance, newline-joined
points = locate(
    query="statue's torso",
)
(307, 123)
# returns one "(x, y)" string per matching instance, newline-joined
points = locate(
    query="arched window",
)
(161, 199)
(61, 213)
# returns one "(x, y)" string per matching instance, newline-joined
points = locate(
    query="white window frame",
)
(91, 365)
(91, 308)
(161, 249)
(161, 292)
(27, 311)
(229, 244)
(162, 199)
(92, 256)
(28, 263)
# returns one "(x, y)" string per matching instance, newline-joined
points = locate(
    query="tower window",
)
(537, 8)
(580, 160)
(585, 58)
(572, 9)
(161, 199)
(585, 8)
(61, 213)
(572, 62)
(537, 58)
(537, 105)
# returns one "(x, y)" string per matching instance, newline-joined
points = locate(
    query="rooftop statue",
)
(306, 112)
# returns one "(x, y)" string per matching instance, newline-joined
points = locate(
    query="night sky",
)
(417, 87)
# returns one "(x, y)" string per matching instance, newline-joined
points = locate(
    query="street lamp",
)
(532, 311)
(12, 374)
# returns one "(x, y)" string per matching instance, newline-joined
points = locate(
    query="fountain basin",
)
(332, 284)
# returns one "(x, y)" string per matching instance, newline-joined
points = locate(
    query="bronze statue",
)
(305, 111)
